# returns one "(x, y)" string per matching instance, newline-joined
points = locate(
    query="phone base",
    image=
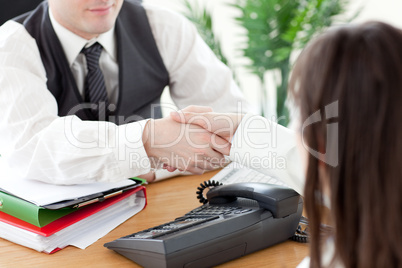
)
(213, 241)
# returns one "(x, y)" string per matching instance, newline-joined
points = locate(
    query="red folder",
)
(69, 219)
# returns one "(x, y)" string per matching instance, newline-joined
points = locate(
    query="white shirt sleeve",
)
(269, 148)
(38, 144)
(196, 75)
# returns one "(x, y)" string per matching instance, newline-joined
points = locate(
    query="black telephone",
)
(238, 219)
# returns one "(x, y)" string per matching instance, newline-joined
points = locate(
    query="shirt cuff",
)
(269, 148)
(162, 174)
(256, 134)
(130, 152)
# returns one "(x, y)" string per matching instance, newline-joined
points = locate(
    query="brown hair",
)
(360, 67)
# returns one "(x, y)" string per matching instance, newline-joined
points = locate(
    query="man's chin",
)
(100, 29)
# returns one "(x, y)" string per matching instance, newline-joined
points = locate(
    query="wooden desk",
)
(166, 200)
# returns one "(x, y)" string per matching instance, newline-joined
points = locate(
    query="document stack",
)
(48, 217)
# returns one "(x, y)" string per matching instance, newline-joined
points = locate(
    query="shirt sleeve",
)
(269, 148)
(38, 144)
(196, 75)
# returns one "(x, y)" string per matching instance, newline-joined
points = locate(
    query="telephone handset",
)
(281, 201)
(236, 220)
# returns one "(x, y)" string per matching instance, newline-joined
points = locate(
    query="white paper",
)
(41, 193)
(82, 233)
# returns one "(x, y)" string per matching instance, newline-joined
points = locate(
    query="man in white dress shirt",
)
(47, 135)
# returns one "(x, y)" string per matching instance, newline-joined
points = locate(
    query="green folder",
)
(29, 212)
(33, 214)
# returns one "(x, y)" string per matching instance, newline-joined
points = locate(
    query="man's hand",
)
(184, 146)
(221, 124)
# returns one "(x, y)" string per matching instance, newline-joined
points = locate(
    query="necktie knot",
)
(92, 54)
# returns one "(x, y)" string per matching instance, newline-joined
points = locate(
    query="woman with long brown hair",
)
(347, 86)
(360, 69)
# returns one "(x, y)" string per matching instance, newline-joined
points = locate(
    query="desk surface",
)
(166, 200)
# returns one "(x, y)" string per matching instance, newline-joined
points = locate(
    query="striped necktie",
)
(95, 89)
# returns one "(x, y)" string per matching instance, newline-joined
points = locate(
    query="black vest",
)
(142, 73)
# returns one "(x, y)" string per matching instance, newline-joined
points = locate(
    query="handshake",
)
(194, 139)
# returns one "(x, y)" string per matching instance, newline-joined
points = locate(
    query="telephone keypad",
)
(171, 227)
(195, 217)
(217, 210)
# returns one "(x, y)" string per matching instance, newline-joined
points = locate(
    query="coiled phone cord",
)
(206, 184)
(301, 233)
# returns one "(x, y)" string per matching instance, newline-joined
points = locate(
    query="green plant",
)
(276, 28)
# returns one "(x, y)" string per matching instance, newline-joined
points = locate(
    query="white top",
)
(269, 148)
(38, 144)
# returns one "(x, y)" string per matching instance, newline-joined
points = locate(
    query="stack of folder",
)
(48, 218)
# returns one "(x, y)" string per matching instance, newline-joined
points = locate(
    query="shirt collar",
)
(73, 44)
